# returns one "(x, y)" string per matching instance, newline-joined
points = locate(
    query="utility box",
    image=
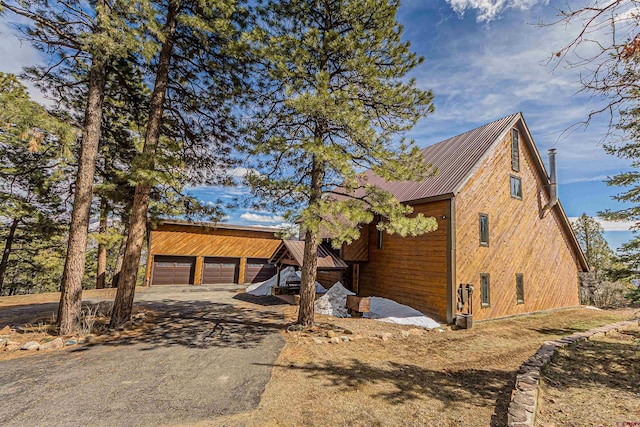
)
(464, 321)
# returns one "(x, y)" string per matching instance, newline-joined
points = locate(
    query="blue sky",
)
(484, 59)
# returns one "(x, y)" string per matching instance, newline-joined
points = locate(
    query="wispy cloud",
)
(611, 225)
(599, 178)
(488, 10)
(248, 216)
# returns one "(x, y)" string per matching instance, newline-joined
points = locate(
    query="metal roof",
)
(453, 159)
(327, 260)
(218, 225)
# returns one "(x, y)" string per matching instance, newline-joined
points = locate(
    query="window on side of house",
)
(379, 233)
(484, 230)
(484, 290)
(516, 187)
(515, 150)
(519, 288)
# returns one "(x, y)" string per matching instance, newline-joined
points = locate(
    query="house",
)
(500, 228)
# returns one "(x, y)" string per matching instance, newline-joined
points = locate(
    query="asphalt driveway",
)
(206, 355)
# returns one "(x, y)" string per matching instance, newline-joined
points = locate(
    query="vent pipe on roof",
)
(553, 183)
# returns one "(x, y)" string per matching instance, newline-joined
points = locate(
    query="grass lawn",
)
(453, 378)
(594, 383)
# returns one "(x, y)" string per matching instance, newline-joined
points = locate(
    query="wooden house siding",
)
(358, 250)
(519, 240)
(410, 270)
(201, 242)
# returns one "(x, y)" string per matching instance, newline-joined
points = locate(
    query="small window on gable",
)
(379, 233)
(484, 230)
(515, 150)
(519, 288)
(516, 187)
(484, 290)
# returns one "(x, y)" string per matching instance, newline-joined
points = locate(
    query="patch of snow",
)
(289, 273)
(386, 310)
(334, 302)
(590, 307)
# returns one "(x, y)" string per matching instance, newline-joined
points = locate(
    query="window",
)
(484, 289)
(516, 187)
(519, 288)
(379, 233)
(515, 153)
(484, 230)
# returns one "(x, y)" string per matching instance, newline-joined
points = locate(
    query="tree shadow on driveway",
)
(199, 324)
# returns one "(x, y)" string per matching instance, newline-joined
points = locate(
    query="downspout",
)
(553, 182)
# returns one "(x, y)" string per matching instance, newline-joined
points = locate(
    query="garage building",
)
(186, 253)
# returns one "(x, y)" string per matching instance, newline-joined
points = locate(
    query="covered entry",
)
(173, 270)
(220, 270)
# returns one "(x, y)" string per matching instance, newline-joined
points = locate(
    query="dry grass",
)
(454, 378)
(594, 383)
(46, 297)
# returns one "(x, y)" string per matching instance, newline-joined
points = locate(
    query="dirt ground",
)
(449, 378)
(411, 377)
(594, 383)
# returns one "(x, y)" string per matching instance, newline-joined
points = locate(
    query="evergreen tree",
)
(331, 98)
(34, 149)
(91, 34)
(195, 76)
(590, 235)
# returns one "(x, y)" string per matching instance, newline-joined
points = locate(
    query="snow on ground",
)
(390, 311)
(289, 273)
(333, 303)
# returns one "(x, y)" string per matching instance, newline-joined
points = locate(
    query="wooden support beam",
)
(243, 268)
(197, 276)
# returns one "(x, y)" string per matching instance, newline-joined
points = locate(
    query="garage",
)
(220, 270)
(258, 270)
(173, 270)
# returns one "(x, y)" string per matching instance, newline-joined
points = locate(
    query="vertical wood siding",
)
(410, 270)
(519, 240)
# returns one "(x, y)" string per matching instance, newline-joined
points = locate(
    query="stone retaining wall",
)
(524, 397)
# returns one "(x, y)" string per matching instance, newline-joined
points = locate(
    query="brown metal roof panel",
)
(327, 260)
(453, 159)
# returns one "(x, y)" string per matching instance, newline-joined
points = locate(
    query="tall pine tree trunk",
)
(102, 248)
(310, 261)
(7, 250)
(71, 289)
(123, 304)
(119, 261)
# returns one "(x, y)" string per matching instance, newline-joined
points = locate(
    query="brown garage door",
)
(220, 270)
(258, 270)
(172, 270)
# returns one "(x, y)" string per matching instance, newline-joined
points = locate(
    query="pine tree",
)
(332, 99)
(72, 33)
(34, 150)
(196, 75)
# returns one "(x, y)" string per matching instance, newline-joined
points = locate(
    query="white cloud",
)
(599, 178)
(248, 216)
(489, 10)
(611, 225)
(242, 172)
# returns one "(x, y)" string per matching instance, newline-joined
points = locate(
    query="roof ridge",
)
(510, 116)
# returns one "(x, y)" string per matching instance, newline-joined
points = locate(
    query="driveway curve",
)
(205, 355)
